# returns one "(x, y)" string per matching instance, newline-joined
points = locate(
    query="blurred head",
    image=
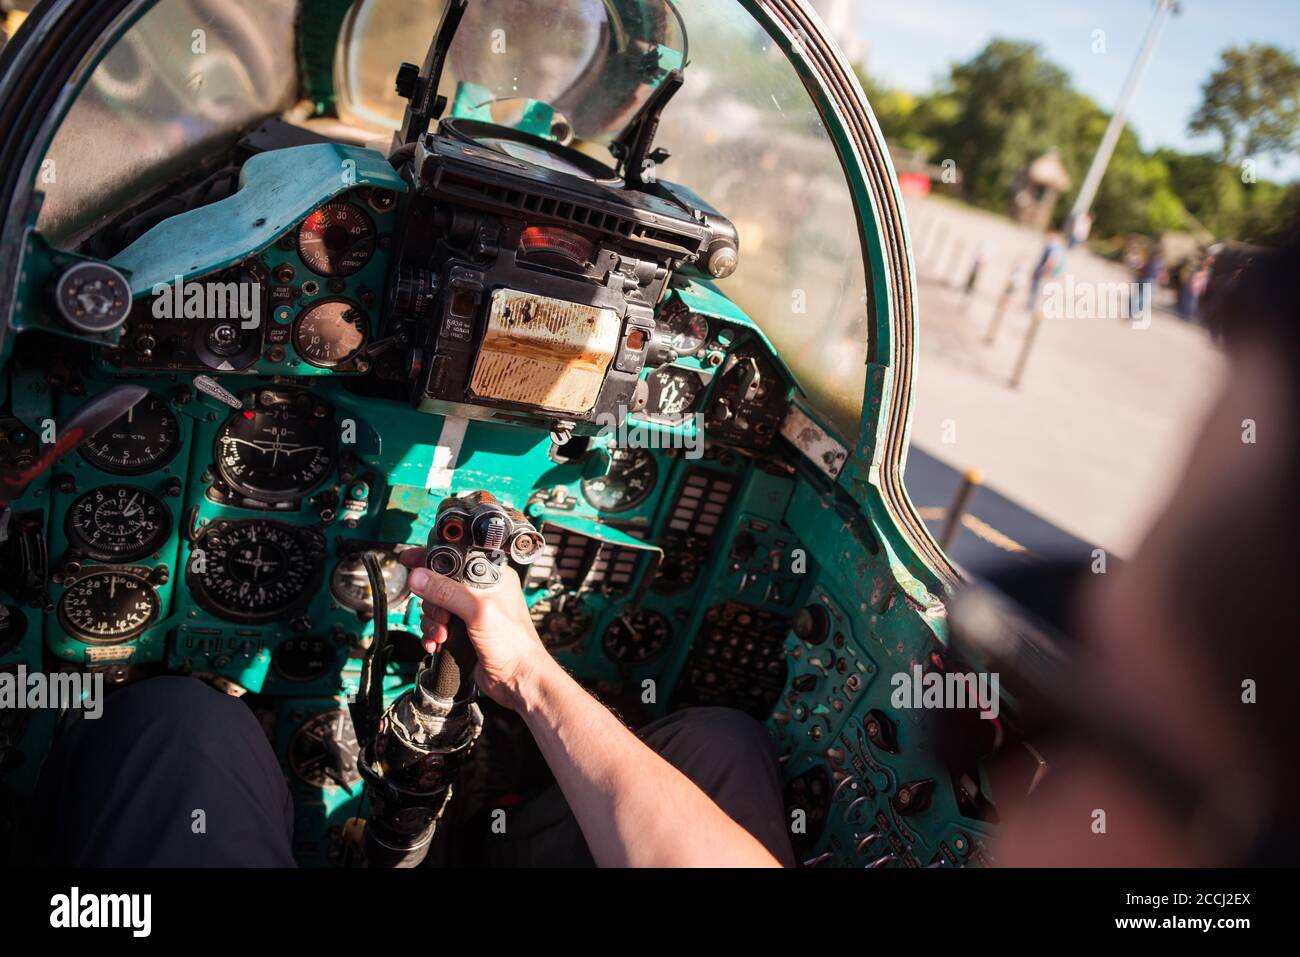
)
(1194, 639)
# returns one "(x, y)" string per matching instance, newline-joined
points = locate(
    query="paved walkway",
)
(1096, 434)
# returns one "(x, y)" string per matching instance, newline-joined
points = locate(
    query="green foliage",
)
(1011, 109)
(1007, 105)
(1252, 102)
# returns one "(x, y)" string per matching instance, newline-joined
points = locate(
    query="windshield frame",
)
(44, 67)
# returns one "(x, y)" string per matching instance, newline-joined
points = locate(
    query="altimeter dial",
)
(107, 607)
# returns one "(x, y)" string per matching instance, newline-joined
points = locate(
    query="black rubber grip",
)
(454, 669)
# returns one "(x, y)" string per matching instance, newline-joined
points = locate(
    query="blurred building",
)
(1036, 188)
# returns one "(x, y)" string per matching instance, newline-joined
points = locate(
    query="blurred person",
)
(1180, 280)
(1189, 649)
(982, 253)
(1050, 263)
(1151, 274)
(1197, 284)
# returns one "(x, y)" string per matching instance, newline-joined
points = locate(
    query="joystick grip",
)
(473, 534)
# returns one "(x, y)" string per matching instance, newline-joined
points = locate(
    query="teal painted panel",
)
(276, 189)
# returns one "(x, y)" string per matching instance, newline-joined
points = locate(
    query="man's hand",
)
(634, 807)
(509, 651)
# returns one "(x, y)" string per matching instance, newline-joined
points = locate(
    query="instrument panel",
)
(309, 403)
(306, 304)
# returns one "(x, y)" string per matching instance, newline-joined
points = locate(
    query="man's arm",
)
(634, 808)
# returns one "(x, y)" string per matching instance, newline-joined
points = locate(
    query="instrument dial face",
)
(350, 584)
(673, 393)
(254, 570)
(106, 607)
(117, 523)
(280, 452)
(689, 330)
(329, 333)
(336, 240)
(93, 297)
(145, 438)
(560, 621)
(637, 638)
(629, 482)
(323, 752)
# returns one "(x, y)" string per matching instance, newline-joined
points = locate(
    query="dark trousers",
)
(176, 774)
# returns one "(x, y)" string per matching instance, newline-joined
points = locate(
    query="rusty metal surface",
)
(818, 445)
(545, 352)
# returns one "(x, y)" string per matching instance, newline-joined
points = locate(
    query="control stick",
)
(411, 758)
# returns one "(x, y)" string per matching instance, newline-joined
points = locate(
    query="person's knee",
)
(726, 727)
(177, 716)
(176, 704)
(730, 756)
(711, 736)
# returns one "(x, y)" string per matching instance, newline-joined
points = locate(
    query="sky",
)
(908, 44)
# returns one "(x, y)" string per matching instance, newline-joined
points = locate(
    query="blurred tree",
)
(1012, 106)
(1252, 102)
(1006, 105)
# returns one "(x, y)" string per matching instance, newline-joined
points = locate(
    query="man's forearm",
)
(634, 808)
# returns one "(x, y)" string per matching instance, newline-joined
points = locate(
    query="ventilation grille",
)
(575, 213)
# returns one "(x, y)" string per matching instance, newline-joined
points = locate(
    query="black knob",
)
(881, 731)
(408, 77)
(412, 293)
(914, 796)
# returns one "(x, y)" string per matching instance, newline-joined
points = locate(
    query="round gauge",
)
(13, 626)
(145, 438)
(688, 331)
(336, 240)
(560, 622)
(673, 393)
(117, 523)
(280, 452)
(105, 607)
(350, 585)
(329, 333)
(323, 752)
(93, 297)
(304, 659)
(638, 637)
(254, 570)
(630, 480)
